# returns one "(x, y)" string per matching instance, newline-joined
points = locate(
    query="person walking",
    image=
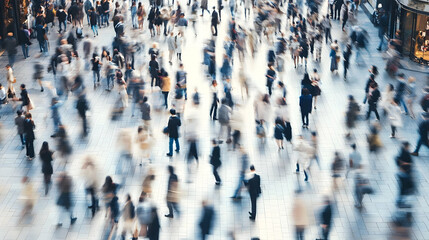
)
(82, 107)
(305, 103)
(173, 132)
(19, 122)
(214, 21)
(244, 165)
(165, 86)
(382, 26)
(128, 216)
(300, 215)
(207, 218)
(344, 15)
(29, 127)
(253, 184)
(89, 173)
(9, 44)
(172, 193)
(46, 156)
(24, 40)
(326, 218)
(145, 110)
(395, 117)
(305, 151)
(271, 78)
(154, 226)
(93, 21)
(346, 55)
(204, 6)
(171, 43)
(215, 161)
(338, 5)
(423, 134)
(62, 19)
(65, 187)
(374, 97)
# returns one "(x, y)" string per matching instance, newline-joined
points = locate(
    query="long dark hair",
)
(45, 148)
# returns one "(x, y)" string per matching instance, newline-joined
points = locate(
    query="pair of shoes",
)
(252, 218)
(73, 220)
(169, 155)
(415, 154)
(306, 180)
(378, 49)
(59, 224)
(169, 215)
(218, 183)
(177, 150)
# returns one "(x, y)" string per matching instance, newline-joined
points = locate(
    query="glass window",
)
(421, 47)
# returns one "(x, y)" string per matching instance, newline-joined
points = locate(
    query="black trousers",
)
(213, 109)
(331, 10)
(21, 136)
(165, 99)
(84, 124)
(30, 148)
(337, 12)
(304, 117)
(372, 108)
(253, 199)
(216, 174)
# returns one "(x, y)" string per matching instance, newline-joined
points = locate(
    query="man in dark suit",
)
(173, 132)
(215, 21)
(254, 187)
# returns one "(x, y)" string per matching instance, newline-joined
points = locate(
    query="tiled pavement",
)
(279, 181)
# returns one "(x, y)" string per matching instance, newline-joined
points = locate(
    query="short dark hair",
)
(252, 168)
(23, 85)
(173, 111)
(144, 99)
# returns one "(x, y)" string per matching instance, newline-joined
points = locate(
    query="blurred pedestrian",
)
(172, 193)
(65, 200)
(19, 122)
(207, 218)
(423, 134)
(46, 156)
(128, 216)
(326, 219)
(173, 132)
(9, 44)
(253, 183)
(90, 173)
(29, 127)
(215, 160)
(300, 215)
(305, 103)
(154, 226)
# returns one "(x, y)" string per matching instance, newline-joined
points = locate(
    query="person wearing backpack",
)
(128, 215)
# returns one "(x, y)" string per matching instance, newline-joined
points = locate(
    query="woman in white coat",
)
(179, 43)
(395, 117)
(305, 151)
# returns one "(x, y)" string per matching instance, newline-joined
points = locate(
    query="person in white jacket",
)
(305, 151)
(395, 117)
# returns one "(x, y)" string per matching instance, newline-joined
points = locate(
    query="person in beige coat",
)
(300, 215)
(144, 141)
(165, 87)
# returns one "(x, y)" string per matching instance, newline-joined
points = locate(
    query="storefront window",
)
(421, 50)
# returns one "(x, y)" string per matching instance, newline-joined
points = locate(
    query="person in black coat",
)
(423, 134)
(154, 70)
(373, 98)
(254, 187)
(406, 185)
(206, 221)
(9, 45)
(29, 136)
(47, 170)
(305, 103)
(404, 156)
(338, 4)
(24, 98)
(214, 22)
(215, 161)
(82, 107)
(173, 132)
(154, 226)
(326, 219)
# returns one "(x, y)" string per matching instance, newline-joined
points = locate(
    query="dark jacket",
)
(326, 215)
(29, 130)
(206, 222)
(305, 103)
(173, 126)
(423, 131)
(24, 97)
(215, 18)
(46, 158)
(10, 45)
(374, 97)
(215, 157)
(62, 16)
(145, 109)
(254, 185)
(153, 228)
(93, 18)
(82, 106)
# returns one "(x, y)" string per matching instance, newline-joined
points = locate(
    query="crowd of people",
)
(142, 76)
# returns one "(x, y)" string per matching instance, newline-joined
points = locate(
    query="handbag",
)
(14, 80)
(30, 105)
(165, 130)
